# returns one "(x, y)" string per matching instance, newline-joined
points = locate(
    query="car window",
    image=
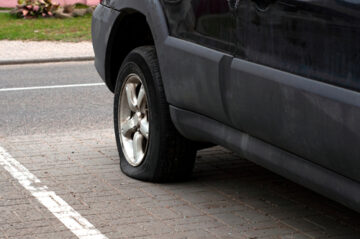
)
(208, 22)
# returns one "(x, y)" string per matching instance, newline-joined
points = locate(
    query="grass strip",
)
(45, 29)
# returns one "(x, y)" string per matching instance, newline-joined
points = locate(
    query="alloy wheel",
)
(134, 120)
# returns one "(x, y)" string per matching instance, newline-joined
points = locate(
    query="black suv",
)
(277, 81)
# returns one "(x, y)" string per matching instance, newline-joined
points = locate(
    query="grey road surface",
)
(40, 111)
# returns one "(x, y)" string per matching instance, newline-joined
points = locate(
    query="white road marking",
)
(50, 87)
(77, 224)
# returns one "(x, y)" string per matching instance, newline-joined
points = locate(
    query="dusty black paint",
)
(207, 22)
(317, 39)
(319, 179)
(263, 74)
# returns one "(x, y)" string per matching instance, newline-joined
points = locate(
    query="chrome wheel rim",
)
(133, 120)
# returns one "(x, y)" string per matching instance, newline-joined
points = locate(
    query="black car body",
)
(276, 81)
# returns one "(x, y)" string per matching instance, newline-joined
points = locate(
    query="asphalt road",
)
(42, 111)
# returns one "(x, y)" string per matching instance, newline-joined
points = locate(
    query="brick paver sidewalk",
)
(228, 197)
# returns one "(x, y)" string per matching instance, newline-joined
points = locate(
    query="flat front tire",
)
(149, 146)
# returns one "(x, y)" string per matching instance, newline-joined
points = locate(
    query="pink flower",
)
(25, 12)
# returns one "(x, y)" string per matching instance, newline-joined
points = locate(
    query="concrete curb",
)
(45, 60)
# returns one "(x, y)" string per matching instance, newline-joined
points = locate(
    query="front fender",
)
(155, 17)
(153, 11)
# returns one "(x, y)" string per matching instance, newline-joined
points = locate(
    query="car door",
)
(295, 81)
(198, 53)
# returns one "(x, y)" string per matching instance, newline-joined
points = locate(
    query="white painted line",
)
(51, 87)
(77, 224)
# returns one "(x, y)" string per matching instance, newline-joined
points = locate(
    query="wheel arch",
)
(133, 28)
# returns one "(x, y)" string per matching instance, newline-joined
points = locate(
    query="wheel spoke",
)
(137, 146)
(130, 89)
(141, 98)
(128, 127)
(144, 127)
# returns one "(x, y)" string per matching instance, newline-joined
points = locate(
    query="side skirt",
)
(321, 180)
